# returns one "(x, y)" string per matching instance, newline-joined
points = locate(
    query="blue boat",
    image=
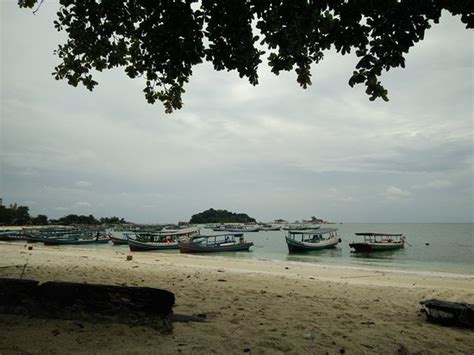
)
(73, 236)
(72, 241)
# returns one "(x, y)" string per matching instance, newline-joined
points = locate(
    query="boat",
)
(219, 228)
(312, 239)
(270, 227)
(449, 313)
(11, 235)
(300, 227)
(37, 235)
(242, 228)
(216, 243)
(69, 237)
(162, 240)
(378, 242)
(119, 237)
(73, 241)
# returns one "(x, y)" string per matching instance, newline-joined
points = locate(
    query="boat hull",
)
(295, 246)
(197, 248)
(54, 241)
(136, 245)
(374, 247)
(118, 241)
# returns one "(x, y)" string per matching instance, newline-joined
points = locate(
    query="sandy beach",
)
(252, 306)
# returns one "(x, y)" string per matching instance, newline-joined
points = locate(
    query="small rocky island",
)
(220, 216)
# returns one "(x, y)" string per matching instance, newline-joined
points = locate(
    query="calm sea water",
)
(450, 249)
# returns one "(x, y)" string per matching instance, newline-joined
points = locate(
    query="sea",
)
(430, 247)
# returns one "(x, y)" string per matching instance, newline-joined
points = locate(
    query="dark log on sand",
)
(88, 302)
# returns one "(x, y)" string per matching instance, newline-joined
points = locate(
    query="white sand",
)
(260, 306)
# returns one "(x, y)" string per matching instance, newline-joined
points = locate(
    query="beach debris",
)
(342, 351)
(246, 350)
(129, 257)
(367, 323)
(222, 280)
(309, 335)
(403, 350)
(427, 243)
(287, 268)
(200, 317)
(30, 248)
(449, 313)
(89, 302)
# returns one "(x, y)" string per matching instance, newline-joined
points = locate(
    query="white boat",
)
(242, 228)
(308, 240)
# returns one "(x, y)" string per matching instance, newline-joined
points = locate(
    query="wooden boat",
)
(308, 240)
(449, 313)
(300, 227)
(270, 227)
(11, 235)
(242, 229)
(216, 243)
(119, 237)
(69, 237)
(37, 235)
(161, 240)
(74, 241)
(378, 242)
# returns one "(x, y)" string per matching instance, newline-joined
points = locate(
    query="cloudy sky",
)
(272, 151)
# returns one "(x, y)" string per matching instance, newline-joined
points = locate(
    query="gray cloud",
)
(273, 151)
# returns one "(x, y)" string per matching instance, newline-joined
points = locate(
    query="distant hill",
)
(220, 216)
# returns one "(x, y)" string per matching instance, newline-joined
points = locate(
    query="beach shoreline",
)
(252, 305)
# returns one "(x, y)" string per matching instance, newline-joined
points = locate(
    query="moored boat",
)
(242, 228)
(73, 236)
(11, 235)
(73, 241)
(300, 227)
(216, 243)
(378, 242)
(161, 240)
(119, 237)
(270, 227)
(308, 240)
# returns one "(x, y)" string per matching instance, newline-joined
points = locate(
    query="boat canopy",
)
(230, 234)
(314, 231)
(380, 234)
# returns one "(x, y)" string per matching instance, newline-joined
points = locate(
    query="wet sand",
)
(252, 306)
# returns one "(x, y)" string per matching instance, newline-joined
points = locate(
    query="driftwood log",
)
(89, 302)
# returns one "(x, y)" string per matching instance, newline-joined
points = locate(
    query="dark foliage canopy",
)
(15, 215)
(220, 216)
(161, 40)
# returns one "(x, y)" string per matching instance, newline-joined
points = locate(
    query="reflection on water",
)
(379, 255)
(315, 256)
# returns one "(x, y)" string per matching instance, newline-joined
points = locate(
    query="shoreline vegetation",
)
(252, 306)
(18, 215)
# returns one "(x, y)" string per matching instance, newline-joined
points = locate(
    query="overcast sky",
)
(271, 151)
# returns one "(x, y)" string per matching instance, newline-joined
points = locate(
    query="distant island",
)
(220, 216)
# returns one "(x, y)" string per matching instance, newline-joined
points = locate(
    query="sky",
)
(271, 151)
